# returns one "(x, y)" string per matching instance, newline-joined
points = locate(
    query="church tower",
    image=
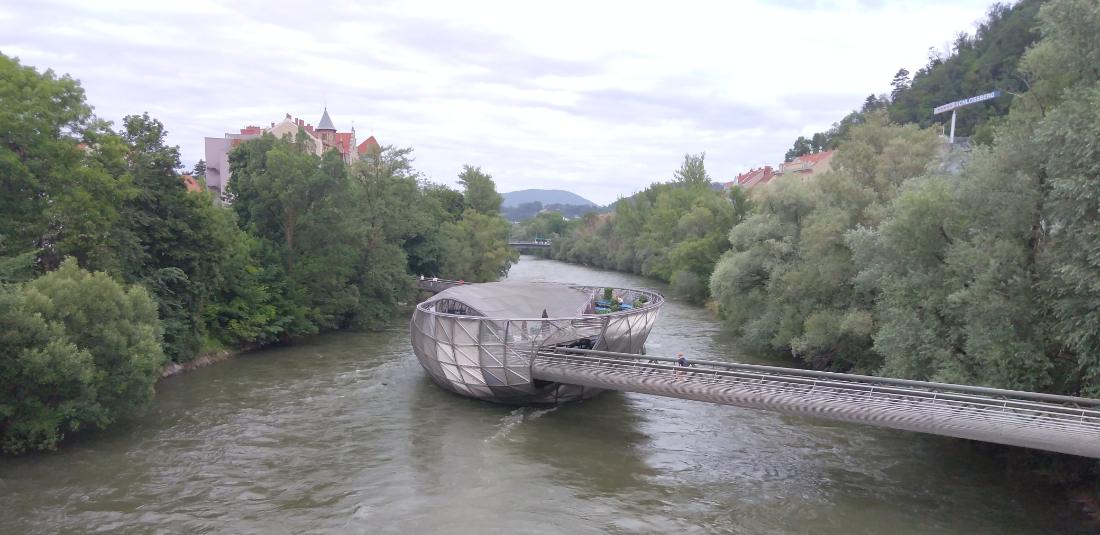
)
(326, 130)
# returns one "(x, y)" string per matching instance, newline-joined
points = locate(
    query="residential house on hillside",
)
(324, 137)
(752, 177)
(808, 165)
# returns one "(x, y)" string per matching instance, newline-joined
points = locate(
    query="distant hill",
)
(545, 196)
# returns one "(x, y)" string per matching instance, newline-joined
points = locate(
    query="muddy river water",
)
(345, 433)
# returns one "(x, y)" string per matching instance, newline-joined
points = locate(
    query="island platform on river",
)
(479, 340)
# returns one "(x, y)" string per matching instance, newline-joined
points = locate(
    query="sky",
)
(599, 98)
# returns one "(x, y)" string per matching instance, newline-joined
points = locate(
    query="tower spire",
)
(326, 122)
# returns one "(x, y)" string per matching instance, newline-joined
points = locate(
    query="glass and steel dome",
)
(478, 339)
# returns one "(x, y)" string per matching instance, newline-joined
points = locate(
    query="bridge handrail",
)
(847, 379)
(783, 382)
(443, 281)
(653, 299)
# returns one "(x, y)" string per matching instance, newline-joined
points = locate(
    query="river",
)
(345, 433)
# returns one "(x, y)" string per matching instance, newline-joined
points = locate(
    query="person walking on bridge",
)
(682, 362)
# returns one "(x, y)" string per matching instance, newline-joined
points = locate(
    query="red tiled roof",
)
(343, 142)
(191, 183)
(815, 158)
(753, 177)
(368, 144)
(251, 130)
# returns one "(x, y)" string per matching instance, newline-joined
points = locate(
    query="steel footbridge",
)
(468, 342)
(1048, 422)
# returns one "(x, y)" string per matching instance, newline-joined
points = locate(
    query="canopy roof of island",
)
(512, 299)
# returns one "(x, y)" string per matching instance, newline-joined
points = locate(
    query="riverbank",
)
(206, 359)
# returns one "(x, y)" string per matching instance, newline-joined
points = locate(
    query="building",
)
(752, 177)
(808, 165)
(190, 183)
(369, 145)
(323, 137)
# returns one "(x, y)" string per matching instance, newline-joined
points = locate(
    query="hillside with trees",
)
(110, 268)
(977, 63)
(987, 278)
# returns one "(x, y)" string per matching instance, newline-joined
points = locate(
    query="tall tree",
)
(900, 83)
(479, 190)
(175, 242)
(802, 147)
(693, 171)
(56, 196)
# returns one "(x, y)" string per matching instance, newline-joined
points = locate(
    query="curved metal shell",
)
(490, 358)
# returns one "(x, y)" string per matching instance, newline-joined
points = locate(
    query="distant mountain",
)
(545, 196)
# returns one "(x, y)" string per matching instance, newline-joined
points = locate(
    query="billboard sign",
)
(966, 102)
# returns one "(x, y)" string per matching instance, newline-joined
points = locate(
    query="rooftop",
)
(519, 299)
(326, 122)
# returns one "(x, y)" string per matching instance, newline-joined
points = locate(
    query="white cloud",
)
(602, 98)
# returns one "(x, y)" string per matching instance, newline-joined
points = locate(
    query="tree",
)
(476, 248)
(452, 202)
(79, 350)
(692, 171)
(802, 147)
(200, 169)
(56, 197)
(900, 83)
(176, 243)
(819, 142)
(479, 190)
(1063, 238)
(788, 281)
(873, 103)
(300, 206)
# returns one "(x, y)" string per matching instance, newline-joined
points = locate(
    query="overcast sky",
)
(598, 98)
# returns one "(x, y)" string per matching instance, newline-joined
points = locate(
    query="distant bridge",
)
(537, 244)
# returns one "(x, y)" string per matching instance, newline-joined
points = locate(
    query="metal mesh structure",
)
(1041, 421)
(479, 340)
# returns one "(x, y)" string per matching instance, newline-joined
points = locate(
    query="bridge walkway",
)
(1033, 420)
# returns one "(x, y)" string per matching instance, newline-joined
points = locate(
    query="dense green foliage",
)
(309, 244)
(475, 245)
(79, 350)
(673, 231)
(788, 281)
(986, 277)
(1010, 245)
